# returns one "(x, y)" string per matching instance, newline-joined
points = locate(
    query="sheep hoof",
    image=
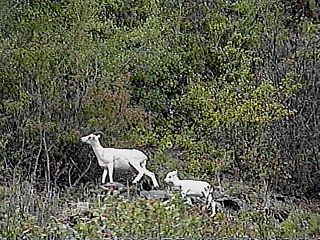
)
(104, 187)
(111, 186)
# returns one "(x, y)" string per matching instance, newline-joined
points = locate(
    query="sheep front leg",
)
(110, 169)
(185, 196)
(189, 201)
(211, 203)
(213, 207)
(104, 175)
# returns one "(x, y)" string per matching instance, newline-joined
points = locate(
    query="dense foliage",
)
(210, 87)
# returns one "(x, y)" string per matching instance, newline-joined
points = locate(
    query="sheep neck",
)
(96, 147)
(177, 182)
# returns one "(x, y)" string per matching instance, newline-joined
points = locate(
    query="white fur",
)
(113, 158)
(195, 188)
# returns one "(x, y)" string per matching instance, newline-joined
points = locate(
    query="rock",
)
(161, 195)
(81, 206)
(216, 194)
(113, 186)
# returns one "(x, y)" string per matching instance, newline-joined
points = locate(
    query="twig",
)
(69, 177)
(48, 177)
(37, 160)
(82, 173)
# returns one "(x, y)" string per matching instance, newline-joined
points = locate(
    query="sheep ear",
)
(98, 136)
(175, 172)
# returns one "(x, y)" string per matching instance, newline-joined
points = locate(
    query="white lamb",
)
(195, 188)
(113, 158)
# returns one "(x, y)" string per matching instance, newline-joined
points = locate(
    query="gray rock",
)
(161, 195)
(81, 206)
(114, 185)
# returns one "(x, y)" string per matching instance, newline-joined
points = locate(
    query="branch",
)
(82, 173)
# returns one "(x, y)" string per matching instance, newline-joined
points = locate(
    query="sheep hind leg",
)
(141, 171)
(137, 178)
(150, 174)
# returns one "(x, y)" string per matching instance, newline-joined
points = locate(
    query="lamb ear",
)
(175, 172)
(98, 136)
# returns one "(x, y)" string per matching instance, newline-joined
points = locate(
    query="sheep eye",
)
(169, 176)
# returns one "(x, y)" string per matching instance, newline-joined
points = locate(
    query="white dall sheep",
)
(195, 188)
(113, 158)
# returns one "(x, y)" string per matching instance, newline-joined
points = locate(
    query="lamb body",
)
(114, 158)
(195, 188)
